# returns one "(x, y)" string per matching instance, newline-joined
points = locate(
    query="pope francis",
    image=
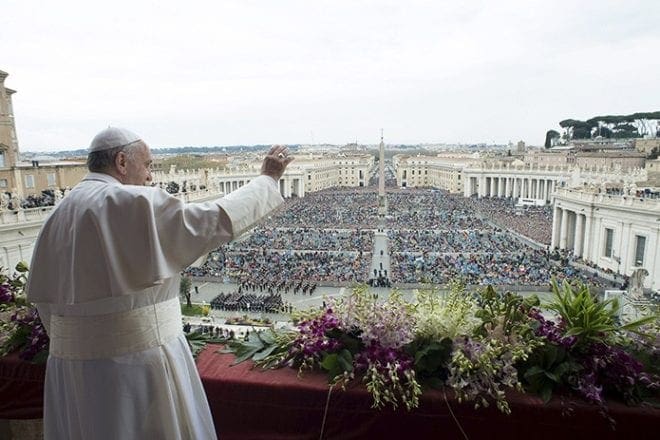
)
(105, 279)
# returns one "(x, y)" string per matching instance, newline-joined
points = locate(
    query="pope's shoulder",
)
(93, 195)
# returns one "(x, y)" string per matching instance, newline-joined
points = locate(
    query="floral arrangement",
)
(20, 326)
(478, 345)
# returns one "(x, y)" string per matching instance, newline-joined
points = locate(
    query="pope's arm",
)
(188, 231)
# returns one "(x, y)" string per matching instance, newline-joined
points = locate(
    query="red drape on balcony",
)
(277, 404)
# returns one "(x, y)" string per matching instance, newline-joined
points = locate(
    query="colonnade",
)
(289, 185)
(511, 186)
(571, 230)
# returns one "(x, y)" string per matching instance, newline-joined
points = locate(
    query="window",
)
(2, 159)
(3, 183)
(609, 238)
(640, 247)
(51, 179)
(29, 181)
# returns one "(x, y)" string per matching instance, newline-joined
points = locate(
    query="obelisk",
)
(380, 262)
(382, 200)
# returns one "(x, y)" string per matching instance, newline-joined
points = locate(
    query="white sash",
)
(115, 334)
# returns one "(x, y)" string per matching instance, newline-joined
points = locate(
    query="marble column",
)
(556, 218)
(579, 235)
(563, 235)
(586, 248)
(514, 193)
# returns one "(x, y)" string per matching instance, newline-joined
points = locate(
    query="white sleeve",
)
(250, 203)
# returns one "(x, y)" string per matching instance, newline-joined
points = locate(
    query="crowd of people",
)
(11, 201)
(307, 239)
(534, 222)
(451, 241)
(525, 268)
(433, 236)
(429, 210)
(313, 266)
(295, 271)
(249, 302)
(302, 287)
(331, 208)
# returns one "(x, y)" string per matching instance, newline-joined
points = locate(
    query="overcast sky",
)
(223, 72)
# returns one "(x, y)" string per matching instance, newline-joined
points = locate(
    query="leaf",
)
(642, 321)
(533, 371)
(245, 354)
(345, 360)
(261, 355)
(546, 393)
(575, 331)
(550, 354)
(352, 344)
(267, 337)
(331, 363)
(551, 376)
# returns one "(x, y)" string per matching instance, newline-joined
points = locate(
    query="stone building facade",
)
(616, 231)
(443, 171)
(307, 173)
(25, 179)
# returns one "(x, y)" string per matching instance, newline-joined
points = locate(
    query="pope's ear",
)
(120, 162)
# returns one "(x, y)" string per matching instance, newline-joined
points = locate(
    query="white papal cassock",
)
(105, 278)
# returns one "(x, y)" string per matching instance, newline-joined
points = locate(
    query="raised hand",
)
(276, 162)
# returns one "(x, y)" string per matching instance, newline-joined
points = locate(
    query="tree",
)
(172, 188)
(549, 137)
(606, 132)
(184, 289)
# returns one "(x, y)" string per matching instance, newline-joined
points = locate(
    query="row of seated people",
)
(270, 303)
(277, 286)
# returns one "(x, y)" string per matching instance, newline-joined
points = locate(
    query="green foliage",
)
(190, 162)
(609, 126)
(549, 136)
(338, 365)
(192, 310)
(582, 133)
(184, 289)
(506, 312)
(197, 341)
(267, 349)
(479, 346)
(546, 369)
(439, 317)
(431, 360)
(21, 328)
(585, 317)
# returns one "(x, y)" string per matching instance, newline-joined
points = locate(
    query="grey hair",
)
(104, 160)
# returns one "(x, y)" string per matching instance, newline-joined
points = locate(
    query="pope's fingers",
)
(273, 150)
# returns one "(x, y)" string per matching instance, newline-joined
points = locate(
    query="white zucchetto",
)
(113, 137)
